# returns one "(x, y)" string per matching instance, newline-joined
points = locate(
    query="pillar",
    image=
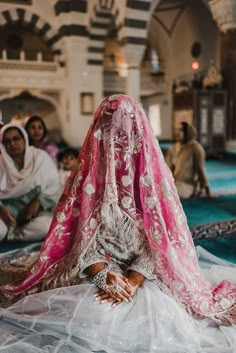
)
(224, 13)
(133, 55)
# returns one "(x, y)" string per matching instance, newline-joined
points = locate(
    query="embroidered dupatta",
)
(121, 173)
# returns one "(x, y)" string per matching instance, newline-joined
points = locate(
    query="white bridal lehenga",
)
(69, 320)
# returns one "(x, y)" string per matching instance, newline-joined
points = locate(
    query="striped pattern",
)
(104, 13)
(134, 29)
(32, 20)
(65, 6)
(73, 17)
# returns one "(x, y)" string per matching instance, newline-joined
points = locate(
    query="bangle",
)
(100, 279)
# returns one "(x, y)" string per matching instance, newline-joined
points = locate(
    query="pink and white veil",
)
(121, 173)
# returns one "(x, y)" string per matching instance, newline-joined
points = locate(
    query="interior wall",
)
(196, 25)
(164, 109)
(174, 49)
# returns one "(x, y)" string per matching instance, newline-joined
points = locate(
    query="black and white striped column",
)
(103, 13)
(133, 39)
(134, 29)
(72, 17)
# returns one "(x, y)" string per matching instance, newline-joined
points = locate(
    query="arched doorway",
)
(22, 106)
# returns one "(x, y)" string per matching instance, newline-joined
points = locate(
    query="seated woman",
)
(29, 185)
(38, 136)
(186, 160)
(119, 237)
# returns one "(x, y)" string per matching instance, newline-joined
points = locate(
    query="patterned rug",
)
(14, 264)
(218, 238)
(214, 230)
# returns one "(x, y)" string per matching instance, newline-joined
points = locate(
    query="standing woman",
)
(38, 136)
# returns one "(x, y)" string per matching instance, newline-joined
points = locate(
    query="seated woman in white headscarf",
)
(29, 186)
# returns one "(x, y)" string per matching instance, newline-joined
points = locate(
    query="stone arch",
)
(13, 93)
(38, 95)
(37, 24)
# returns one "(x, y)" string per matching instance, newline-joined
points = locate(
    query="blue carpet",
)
(201, 211)
(4, 247)
(222, 177)
(224, 247)
(213, 220)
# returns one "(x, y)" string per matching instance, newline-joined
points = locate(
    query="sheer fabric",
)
(68, 320)
(124, 175)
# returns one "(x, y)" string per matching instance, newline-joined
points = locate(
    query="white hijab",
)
(38, 170)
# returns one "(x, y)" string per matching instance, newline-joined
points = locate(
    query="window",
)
(155, 118)
(154, 61)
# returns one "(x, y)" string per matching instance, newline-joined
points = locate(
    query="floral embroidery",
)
(135, 143)
(182, 241)
(225, 303)
(61, 217)
(146, 180)
(89, 189)
(180, 218)
(128, 106)
(126, 180)
(98, 134)
(60, 231)
(126, 201)
(204, 306)
(150, 201)
(93, 223)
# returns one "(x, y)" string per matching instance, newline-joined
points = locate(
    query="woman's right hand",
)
(7, 216)
(118, 287)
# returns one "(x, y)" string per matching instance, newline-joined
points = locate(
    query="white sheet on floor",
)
(68, 320)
